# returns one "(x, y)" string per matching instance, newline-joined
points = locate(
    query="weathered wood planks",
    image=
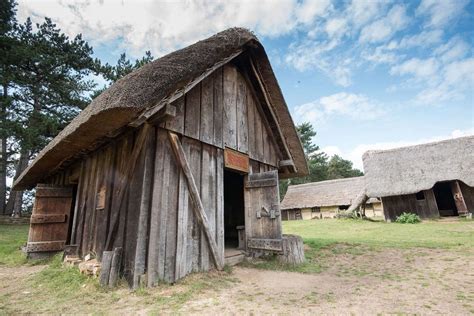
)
(49, 232)
(262, 196)
(224, 111)
(195, 196)
(149, 209)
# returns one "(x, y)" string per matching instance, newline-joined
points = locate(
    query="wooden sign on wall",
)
(236, 161)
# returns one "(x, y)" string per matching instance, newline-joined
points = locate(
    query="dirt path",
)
(390, 281)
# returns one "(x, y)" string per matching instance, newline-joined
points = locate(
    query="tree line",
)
(45, 81)
(321, 166)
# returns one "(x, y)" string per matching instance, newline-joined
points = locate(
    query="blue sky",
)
(367, 74)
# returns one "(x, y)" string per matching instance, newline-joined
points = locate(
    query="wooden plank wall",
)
(219, 112)
(468, 195)
(394, 206)
(222, 111)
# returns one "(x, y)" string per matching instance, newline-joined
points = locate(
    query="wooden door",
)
(262, 211)
(50, 219)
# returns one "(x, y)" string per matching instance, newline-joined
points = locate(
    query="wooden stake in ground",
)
(115, 267)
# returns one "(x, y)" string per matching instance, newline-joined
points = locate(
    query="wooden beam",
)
(459, 199)
(257, 75)
(195, 197)
(124, 180)
(157, 114)
(286, 163)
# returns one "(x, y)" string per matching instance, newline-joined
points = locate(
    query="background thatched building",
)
(325, 199)
(431, 180)
(160, 162)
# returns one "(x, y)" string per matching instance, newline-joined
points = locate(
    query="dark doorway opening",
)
(444, 199)
(234, 218)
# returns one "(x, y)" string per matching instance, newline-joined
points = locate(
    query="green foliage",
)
(408, 218)
(340, 168)
(123, 67)
(44, 83)
(320, 166)
(306, 133)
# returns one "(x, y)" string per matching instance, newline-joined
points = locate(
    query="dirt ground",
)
(367, 281)
(391, 281)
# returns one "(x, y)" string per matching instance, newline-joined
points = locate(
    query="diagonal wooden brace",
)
(195, 197)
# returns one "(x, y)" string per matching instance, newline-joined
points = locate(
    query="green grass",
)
(61, 289)
(52, 289)
(326, 239)
(12, 237)
(429, 234)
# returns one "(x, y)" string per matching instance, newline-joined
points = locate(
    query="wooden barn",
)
(177, 163)
(325, 199)
(431, 180)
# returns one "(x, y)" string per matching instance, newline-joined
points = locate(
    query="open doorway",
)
(234, 209)
(444, 199)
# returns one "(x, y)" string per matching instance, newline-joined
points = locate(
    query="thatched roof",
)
(130, 96)
(324, 193)
(412, 169)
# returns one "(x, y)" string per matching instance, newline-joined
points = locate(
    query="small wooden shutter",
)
(262, 209)
(50, 219)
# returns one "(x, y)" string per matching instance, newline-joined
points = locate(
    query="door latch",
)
(273, 213)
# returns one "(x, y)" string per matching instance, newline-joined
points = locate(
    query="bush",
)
(408, 218)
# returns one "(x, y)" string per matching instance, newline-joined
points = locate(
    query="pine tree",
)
(50, 89)
(8, 56)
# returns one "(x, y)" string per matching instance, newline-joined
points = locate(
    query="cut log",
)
(293, 250)
(115, 267)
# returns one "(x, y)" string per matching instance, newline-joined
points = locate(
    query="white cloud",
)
(165, 26)
(311, 55)
(454, 49)
(384, 28)
(336, 27)
(424, 38)
(455, 83)
(355, 154)
(421, 69)
(355, 106)
(363, 11)
(380, 55)
(331, 150)
(308, 10)
(440, 13)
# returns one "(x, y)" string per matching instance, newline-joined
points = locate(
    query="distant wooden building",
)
(325, 199)
(431, 180)
(177, 163)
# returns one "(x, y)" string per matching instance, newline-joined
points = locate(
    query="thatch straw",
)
(324, 193)
(130, 96)
(412, 169)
